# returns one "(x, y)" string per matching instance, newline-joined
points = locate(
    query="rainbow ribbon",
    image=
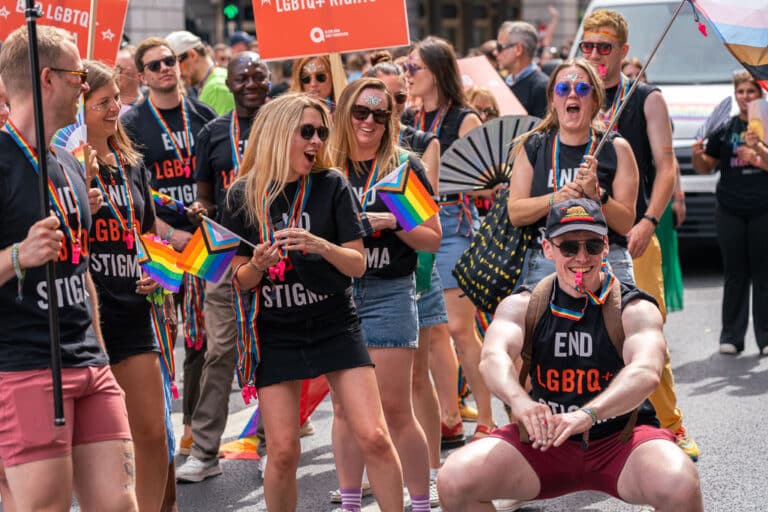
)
(588, 151)
(437, 122)
(234, 143)
(126, 223)
(194, 322)
(164, 126)
(297, 208)
(372, 177)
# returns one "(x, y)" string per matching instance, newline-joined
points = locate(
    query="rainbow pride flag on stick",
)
(406, 197)
(167, 201)
(210, 251)
(159, 262)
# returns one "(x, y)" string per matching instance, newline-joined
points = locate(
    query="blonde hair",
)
(298, 66)
(550, 120)
(608, 18)
(14, 56)
(343, 138)
(482, 93)
(99, 75)
(741, 76)
(266, 162)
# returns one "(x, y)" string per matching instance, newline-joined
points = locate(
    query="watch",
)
(590, 411)
(604, 195)
(651, 218)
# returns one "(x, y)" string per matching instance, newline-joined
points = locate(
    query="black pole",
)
(31, 13)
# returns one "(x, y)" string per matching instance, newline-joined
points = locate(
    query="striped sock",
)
(351, 499)
(419, 503)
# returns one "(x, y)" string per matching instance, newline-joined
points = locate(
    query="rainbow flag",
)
(406, 197)
(210, 251)
(159, 262)
(167, 201)
(743, 27)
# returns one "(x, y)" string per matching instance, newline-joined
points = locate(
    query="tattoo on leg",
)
(128, 465)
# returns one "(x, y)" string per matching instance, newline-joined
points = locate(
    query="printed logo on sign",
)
(317, 35)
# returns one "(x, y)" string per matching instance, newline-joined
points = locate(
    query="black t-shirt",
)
(633, 127)
(449, 130)
(574, 361)
(415, 140)
(531, 92)
(310, 283)
(386, 255)
(214, 163)
(114, 267)
(538, 147)
(24, 342)
(167, 172)
(743, 188)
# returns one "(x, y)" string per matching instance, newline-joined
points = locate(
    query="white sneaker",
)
(728, 348)
(307, 429)
(434, 499)
(764, 351)
(507, 505)
(262, 466)
(335, 496)
(196, 470)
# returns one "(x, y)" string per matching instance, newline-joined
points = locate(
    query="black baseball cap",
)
(576, 215)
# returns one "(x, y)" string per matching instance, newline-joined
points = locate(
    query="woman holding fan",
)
(123, 290)
(554, 162)
(364, 146)
(433, 76)
(303, 221)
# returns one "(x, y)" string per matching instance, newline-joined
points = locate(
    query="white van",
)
(694, 74)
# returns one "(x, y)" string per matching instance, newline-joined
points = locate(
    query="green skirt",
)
(670, 261)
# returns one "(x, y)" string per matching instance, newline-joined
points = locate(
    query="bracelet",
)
(604, 195)
(254, 267)
(651, 218)
(590, 411)
(167, 236)
(18, 270)
(551, 199)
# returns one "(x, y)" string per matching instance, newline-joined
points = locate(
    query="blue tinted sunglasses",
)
(582, 89)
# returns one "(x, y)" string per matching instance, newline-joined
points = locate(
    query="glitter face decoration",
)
(313, 67)
(371, 100)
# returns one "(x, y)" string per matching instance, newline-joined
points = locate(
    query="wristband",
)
(254, 267)
(167, 236)
(604, 195)
(651, 218)
(398, 227)
(551, 200)
(590, 411)
(18, 270)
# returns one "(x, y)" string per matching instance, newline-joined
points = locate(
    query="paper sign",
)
(73, 16)
(477, 71)
(295, 28)
(757, 113)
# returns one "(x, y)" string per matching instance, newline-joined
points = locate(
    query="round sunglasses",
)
(307, 131)
(570, 248)
(582, 89)
(320, 77)
(361, 113)
(412, 69)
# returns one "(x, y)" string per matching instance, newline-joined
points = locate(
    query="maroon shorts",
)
(94, 410)
(568, 468)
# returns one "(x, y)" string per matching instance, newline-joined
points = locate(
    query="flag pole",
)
(31, 13)
(92, 28)
(631, 91)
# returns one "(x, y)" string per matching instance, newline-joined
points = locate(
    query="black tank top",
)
(574, 361)
(538, 147)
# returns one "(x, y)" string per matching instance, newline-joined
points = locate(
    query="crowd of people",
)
(285, 155)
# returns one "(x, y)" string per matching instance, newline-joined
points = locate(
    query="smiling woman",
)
(555, 162)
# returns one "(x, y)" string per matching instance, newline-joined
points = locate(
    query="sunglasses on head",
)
(155, 65)
(602, 48)
(569, 248)
(361, 113)
(582, 89)
(320, 77)
(307, 131)
(412, 69)
(401, 98)
(82, 75)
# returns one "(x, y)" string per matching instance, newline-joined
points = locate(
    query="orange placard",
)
(478, 71)
(74, 17)
(295, 28)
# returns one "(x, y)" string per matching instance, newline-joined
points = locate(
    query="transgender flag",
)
(743, 27)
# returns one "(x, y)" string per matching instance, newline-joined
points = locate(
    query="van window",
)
(685, 57)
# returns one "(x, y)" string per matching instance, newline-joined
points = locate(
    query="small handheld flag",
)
(167, 201)
(210, 251)
(406, 197)
(159, 262)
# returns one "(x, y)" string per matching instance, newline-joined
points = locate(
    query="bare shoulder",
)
(513, 308)
(655, 106)
(640, 314)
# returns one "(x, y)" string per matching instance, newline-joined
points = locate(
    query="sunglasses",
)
(570, 248)
(320, 77)
(401, 98)
(81, 74)
(155, 65)
(582, 89)
(181, 58)
(602, 48)
(412, 69)
(307, 131)
(361, 113)
(489, 112)
(501, 47)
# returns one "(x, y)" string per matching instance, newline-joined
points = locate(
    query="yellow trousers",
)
(649, 278)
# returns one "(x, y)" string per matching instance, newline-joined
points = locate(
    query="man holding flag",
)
(93, 451)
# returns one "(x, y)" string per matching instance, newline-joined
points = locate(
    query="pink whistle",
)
(277, 272)
(174, 391)
(579, 280)
(76, 254)
(187, 170)
(601, 69)
(129, 240)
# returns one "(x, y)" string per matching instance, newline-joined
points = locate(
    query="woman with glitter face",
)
(554, 162)
(312, 75)
(364, 146)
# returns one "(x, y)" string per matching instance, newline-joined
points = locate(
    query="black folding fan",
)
(481, 159)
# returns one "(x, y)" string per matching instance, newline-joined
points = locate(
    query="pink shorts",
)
(94, 410)
(568, 468)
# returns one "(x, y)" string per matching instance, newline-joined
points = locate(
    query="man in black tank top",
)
(584, 389)
(645, 124)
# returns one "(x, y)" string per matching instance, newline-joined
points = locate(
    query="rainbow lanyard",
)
(590, 298)
(128, 222)
(369, 183)
(618, 98)
(164, 126)
(234, 143)
(297, 208)
(556, 156)
(437, 122)
(58, 207)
